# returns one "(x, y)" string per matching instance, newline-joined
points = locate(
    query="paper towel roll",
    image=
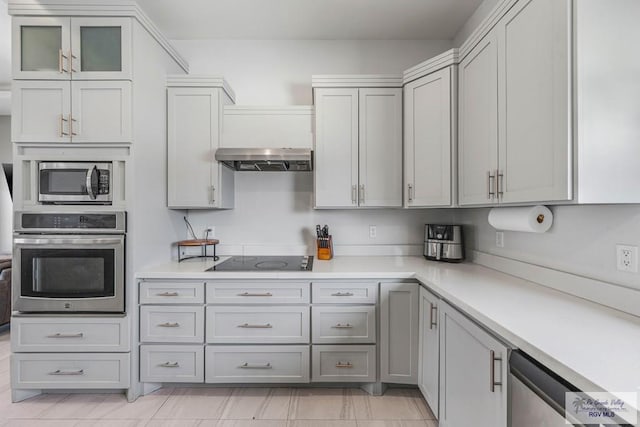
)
(532, 219)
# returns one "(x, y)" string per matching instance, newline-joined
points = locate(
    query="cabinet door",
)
(193, 137)
(336, 148)
(478, 125)
(469, 396)
(101, 48)
(380, 147)
(41, 111)
(429, 349)
(427, 140)
(101, 111)
(534, 87)
(399, 318)
(41, 48)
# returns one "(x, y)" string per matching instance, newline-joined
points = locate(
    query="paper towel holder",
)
(528, 219)
(540, 218)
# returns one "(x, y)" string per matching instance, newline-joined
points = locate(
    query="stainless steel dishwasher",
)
(537, 395)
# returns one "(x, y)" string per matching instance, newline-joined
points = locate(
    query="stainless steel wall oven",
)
(69, 262)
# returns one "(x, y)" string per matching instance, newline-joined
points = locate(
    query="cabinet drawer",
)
(354, 363)
(70, 370)
(180, 324)
(171, 293)
(346, 324)
(262, 292)
(345, 293)
(60, 334)
(172, 363)
(257, 364)
(265, 324)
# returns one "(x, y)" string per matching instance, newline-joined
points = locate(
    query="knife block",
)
(325, 248)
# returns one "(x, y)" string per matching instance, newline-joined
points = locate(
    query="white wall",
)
(474, 20)
(278, 72)
(6, 149)
(581, 241)
(276, 209)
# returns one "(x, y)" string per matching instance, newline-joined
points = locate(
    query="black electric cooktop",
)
(265, 263)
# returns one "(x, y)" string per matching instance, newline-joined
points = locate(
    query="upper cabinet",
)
(195, 179)
(78, 48)
(78, 112)
(429, 132)
(515, 141)
(358, 143)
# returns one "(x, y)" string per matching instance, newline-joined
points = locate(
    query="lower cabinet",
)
(343, 363)
(429, 348)
(257, 364)
(399, 332)
(473, 373)
(69, 370)
(172, 363)
(68, 352)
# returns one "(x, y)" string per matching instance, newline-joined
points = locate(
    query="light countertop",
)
(594, 347)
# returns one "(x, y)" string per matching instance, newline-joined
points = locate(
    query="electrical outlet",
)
(627, 258)
(500, 239)
(373, 232)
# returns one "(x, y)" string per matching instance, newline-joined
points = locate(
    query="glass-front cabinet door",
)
(51, 48)
(41, 48)
(101, 48)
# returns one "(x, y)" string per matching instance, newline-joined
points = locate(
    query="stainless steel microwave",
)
(75, 183)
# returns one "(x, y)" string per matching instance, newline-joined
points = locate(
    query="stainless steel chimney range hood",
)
(266, 159)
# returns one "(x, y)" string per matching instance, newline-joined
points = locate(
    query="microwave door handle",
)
(90, 174)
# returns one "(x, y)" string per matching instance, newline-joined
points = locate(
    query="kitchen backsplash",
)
(276, 209)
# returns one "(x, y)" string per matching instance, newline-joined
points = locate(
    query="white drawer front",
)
(258, 292)
(257, 325)
(179, 324)
(172, 363)
(346, 324)
(171, 293)
(257, 364)
(354, 363)
(345, 293)
(70, 370)
(60, 334)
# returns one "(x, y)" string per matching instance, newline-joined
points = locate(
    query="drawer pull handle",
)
(170, 365)
(341, 326)
(249, 294)
(246, 365)
(60, 372)
(169, 325)
(433, 309)
(59, 335)
(249, 326)
(342, 294)
(168, 294)
(344, 365)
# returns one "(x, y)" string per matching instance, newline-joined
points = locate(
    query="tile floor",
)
(215, 407)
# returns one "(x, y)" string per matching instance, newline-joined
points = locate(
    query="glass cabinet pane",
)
(100, 49)
(40, 48)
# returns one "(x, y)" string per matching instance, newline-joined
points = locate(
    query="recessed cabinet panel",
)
(380, 149)
(41, 111)
(428, 371)
(478, 136)
(469, 356)
(428, 143)
(535, 139)
(336, 148)
(101, 111)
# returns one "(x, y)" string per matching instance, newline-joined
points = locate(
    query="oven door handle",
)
(69, 240)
